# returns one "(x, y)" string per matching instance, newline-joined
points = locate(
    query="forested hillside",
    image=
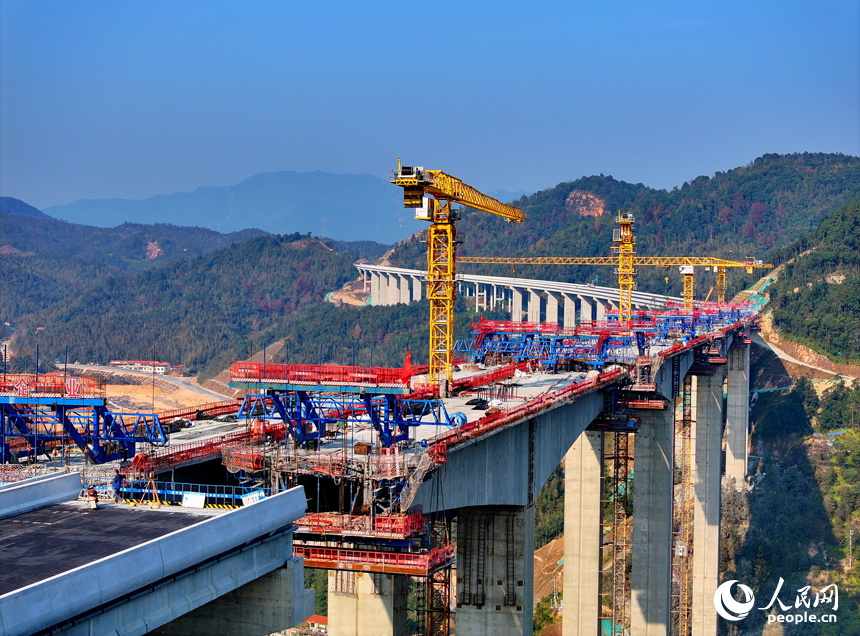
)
(204, 312)
(45, 261)
(816, 300)
(746, 211)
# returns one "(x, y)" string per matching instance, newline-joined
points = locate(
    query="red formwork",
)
(226, 407)
(55, 385)
(193, 452)
(389, 527)
(491, 377)
(514, 326)
(247, 457)
(371, 561)
(317, 374)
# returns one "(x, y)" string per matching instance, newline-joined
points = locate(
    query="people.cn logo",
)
(728, 607)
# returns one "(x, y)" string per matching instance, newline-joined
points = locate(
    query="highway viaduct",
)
(526, 299)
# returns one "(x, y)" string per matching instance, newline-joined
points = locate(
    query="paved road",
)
(782, 355)
(182, 382)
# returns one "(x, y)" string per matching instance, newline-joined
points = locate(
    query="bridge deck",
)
(43, 543)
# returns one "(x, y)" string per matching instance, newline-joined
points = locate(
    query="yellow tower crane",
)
(626, 262)
(418, 186)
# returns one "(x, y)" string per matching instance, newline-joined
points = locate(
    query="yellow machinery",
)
(626, 262)
(418, 186)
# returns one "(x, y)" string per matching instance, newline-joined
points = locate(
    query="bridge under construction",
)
(421, 482)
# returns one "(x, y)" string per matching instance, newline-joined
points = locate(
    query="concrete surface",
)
(505, 565)
(120, 586)
(737, 415)
(707, 471)
(583, 466)
(652, 524)
(38, 492)
(367, 604)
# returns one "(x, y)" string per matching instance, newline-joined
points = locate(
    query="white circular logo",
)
(728, 607)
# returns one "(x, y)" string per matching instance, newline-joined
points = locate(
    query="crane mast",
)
(418, 186)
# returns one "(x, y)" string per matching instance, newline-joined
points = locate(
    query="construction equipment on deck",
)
(624, 243)
(441, 247)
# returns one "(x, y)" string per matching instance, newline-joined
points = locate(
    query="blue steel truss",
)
(308, 416)
(102, 434)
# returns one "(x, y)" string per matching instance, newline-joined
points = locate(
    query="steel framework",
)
(683, 515)
(616, 550)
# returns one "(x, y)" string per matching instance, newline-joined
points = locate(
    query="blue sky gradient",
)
(115, 99)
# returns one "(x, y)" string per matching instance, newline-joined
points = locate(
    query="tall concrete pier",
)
(582, 531)
(652, 523)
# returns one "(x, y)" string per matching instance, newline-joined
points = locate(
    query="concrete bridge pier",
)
(517, 304)
(416, 289)
(552, 307)
(367, 604)
(570, 320)
(707, 471)
(582, 535)
(586, 308)
(534, 306)
(652, 524)
(375, 289)
(393, 296)
(495, 570)
(737, 415)
(405, 292)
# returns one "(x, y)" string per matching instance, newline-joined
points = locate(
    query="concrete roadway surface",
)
(182, 382)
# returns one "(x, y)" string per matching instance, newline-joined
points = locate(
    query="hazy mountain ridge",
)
(343, 206)
(11, 205)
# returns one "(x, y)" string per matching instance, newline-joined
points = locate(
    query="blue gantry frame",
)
(102, 434)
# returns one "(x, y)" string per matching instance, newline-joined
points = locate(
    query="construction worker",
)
(117, 486)
(92, 497)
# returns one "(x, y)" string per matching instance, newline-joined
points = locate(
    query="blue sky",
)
(121, 99)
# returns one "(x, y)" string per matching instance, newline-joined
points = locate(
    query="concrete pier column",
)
(366, 604)
(582, 535)
(534, 306)
(737, 415)
(375, 289)
(517, 304)
(271, 603)
(405, 292)
(570, 320)
(652, 524)
(708, 435)
(552, 308)
(416, 289)
(495, 570)
(586, 304)
(601, 308)
(393, 289)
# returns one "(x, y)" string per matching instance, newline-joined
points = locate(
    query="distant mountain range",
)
(9, 205)
(341, 206)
